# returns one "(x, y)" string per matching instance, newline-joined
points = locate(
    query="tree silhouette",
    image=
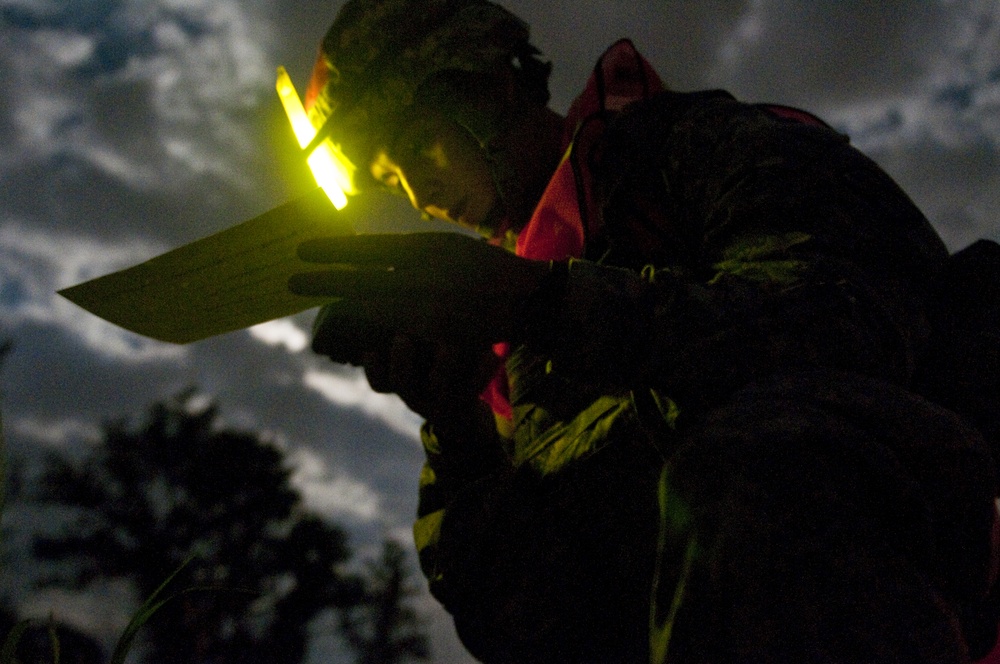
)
(180, 488)
(383, 629)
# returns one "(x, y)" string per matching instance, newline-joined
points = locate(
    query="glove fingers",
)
(336, 283)
(371, 284)
(383, 250)
(345, 338)
(383, 317)
(399, 368)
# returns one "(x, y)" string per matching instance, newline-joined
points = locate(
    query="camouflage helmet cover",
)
(380, 56)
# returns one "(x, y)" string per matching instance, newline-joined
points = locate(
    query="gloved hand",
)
(440, 287)
(419, 312)
(439, 381)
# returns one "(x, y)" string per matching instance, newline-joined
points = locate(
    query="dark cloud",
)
(75, 14)
(825, 53)
(52, 375)
(681, 38)
(958, 189)
(299, 26)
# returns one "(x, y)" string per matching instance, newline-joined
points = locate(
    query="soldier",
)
(674, 401)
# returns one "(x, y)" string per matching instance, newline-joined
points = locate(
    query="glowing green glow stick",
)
(333, 171)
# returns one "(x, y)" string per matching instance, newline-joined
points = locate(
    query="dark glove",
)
(439, 380)
(436, 286)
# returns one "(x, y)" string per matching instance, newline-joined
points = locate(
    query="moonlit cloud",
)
(744, 37)
(331, 493)
(282, 332)
(54, 432)
(34, 264)
(105, 618)
(351, 390)
(200, 63)
(939, 135)
(201, 77)
(64, 49)
(955, 102)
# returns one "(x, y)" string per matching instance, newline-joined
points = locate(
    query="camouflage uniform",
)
(717, 450)
(759, 347)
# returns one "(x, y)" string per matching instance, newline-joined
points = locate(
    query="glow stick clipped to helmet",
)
(333, 171)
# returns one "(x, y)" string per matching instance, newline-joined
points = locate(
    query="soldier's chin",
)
(492, 224)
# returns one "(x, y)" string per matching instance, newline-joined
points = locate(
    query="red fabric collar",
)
(557, 229)
(565, 213)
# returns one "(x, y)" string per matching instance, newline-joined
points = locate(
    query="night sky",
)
(129, 127)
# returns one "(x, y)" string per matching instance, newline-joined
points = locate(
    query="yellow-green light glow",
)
(332, 170)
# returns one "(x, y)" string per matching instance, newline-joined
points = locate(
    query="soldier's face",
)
(441, 168)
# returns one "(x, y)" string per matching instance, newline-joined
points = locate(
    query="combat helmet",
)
(381, 57)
